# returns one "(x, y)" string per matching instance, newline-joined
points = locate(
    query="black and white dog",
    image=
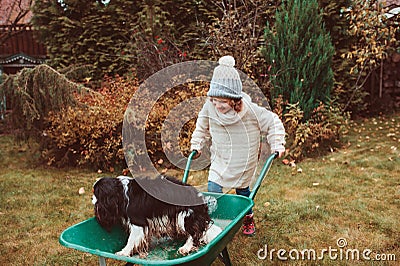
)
(147, 208)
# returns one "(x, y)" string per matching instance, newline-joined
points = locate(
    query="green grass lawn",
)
(351, 195)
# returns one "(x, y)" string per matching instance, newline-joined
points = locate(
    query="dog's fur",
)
(123, 201)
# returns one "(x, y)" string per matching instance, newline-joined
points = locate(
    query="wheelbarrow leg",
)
(224, 257)
(102, 261)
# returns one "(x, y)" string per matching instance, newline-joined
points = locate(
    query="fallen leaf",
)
(81, 191)
(299, 170)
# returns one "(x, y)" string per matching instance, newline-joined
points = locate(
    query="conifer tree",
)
(116, 36)
(168, 32)
(300, 52)
(34, 92)
(86, 33)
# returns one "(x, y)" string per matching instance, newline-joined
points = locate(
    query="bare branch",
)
(15, 13)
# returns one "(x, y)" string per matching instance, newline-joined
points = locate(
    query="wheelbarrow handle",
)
(187, 168)
(263, 173)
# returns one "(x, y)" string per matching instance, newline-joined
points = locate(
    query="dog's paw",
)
(123, 253)
(184, 250)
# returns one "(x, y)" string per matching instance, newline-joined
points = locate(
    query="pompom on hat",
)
(225, 82)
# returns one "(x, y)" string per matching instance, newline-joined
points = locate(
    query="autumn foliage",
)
(90, 133)
(319, 134)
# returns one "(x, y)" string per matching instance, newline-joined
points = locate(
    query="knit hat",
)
(226, 81)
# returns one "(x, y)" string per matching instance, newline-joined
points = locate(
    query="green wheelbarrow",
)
(88, 236)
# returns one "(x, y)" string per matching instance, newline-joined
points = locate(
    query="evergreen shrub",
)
(300, 52)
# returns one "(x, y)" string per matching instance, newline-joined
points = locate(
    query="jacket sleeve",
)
(202, 130)
(272, 126)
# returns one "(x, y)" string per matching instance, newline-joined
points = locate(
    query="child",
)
(234, 124)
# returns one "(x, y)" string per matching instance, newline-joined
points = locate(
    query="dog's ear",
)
(108, 192)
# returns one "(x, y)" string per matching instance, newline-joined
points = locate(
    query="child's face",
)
(221, 104)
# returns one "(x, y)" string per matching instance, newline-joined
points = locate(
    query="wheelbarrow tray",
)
(89, 236)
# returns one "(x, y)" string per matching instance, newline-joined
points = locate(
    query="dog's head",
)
(108, 201)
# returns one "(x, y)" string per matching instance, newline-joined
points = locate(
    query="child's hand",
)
(197, 155)
(280, 153)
